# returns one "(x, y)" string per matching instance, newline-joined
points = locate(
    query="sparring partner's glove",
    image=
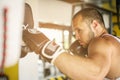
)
(76, 49)
(40, 44)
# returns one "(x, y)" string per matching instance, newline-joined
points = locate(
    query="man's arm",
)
(94, 67)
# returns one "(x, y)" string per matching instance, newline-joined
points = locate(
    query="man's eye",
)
(78, 30)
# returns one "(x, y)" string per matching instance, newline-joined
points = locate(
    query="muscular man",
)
(102, 50)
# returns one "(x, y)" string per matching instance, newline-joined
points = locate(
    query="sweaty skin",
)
(103, 59)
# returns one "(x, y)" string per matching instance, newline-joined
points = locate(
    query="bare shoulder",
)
(101, 45)
(105, 51)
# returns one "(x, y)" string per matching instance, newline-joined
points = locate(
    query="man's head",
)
(87, 24)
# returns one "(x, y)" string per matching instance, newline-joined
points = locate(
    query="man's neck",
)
(102, 32)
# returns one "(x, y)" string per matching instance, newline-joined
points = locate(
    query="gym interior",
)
(53, 18)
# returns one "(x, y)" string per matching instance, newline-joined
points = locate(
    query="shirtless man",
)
(102, 49)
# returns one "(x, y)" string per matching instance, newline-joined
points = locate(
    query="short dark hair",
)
(90, 14)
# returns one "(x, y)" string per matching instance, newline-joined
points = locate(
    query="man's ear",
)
(94, 26)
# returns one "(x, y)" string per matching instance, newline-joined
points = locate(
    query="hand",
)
(34, 39)
(76, 49)
(40, 44)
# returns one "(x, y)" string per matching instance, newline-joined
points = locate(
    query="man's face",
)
(83, 32)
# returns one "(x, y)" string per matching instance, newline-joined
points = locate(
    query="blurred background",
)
(53, 18)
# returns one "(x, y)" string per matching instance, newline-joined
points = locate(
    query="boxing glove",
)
(24, 50)
(41, 45)
(76, 49)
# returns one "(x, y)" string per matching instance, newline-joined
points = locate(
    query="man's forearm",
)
(72, 67)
